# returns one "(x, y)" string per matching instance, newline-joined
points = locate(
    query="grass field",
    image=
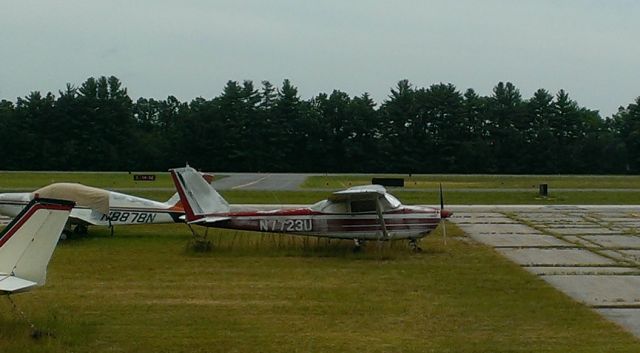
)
(483, 181)
(112, 180)
(428, 197)
(143, 291)
(451, 197)
(459, 189)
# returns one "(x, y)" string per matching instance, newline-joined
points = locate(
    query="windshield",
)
(318, 206)
(393, 202)
(327, 206)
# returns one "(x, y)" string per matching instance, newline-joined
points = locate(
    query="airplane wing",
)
(87, 196)
(84, 216)
(364, 192)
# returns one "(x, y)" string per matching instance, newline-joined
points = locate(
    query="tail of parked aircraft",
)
(198, 197)
(175, 202)
(27, 243)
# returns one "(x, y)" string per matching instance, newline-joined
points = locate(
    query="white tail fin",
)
(174, 201)
(198, 197)
(27, 243)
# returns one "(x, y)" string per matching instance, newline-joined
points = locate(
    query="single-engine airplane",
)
(359, 213)
(99, 207)
(27, 243)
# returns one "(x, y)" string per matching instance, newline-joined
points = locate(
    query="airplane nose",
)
(446, 213)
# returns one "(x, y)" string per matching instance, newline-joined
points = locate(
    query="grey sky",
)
(191, 48)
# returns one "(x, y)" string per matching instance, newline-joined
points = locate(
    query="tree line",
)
(437, 129)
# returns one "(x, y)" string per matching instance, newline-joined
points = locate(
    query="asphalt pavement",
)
(260, 181)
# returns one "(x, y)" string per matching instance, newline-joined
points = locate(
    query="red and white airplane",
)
(27, 243)
(359, 213)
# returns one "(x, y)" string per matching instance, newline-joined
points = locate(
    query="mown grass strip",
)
(108, 180)
(482, 181)
(143, 291)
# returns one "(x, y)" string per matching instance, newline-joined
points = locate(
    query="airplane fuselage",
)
(408, 222)
(124, 210)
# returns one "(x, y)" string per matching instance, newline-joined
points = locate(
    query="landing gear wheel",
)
(413, 243)
(357, 245)
(80, 229)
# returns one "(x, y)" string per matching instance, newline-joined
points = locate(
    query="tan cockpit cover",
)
(82, 195)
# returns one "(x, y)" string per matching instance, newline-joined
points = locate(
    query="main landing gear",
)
(77, 230)
(414, 245)
(80, 229)
(200, 243)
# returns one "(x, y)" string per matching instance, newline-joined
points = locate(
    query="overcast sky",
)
(189, 48)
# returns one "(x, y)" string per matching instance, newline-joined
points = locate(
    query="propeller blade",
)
(441, 198)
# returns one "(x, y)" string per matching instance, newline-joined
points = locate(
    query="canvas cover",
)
(82, 195)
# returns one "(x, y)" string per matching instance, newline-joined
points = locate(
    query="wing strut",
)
(444, 223)
(381, 218)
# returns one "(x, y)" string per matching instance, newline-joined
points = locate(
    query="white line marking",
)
(251, 183)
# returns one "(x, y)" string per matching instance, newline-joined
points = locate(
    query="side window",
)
(340, 207)
(363, 206)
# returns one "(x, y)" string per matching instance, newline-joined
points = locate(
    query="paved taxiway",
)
(591, 253)
(260, 181)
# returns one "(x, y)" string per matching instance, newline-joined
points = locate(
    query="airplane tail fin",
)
(175, 202)
(198, 197)
(27, 243)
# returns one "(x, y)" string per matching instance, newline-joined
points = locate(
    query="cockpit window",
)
(327, 206)
(363, 206)
(318, 206)
(393, 202)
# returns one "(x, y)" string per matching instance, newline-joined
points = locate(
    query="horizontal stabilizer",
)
(12, 284)
(210, 220)
(27, 243)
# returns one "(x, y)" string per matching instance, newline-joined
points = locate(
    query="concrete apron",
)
(591, 253)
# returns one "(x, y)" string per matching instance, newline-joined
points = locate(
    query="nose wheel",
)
(357, 245)
(414, 245)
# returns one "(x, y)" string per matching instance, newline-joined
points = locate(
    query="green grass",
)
(14, 181)
(520, 198)
(142, 291)
(482, 181)
(34, 180)
(459, 189)
(428, 197)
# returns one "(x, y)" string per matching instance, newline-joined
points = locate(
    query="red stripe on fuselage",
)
(319, 224)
